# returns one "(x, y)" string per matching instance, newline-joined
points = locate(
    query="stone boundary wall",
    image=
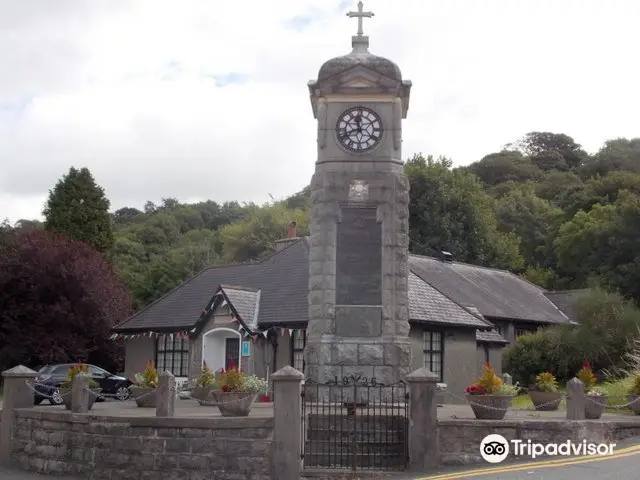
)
(460, 439)
(110, 448)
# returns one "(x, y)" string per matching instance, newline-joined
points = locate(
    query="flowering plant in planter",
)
(144, 388)
(546, 382)
(234, 380)
(148, 378)
(546, 395)
(205, 383)
(76, 369)
(596, 396)
(206, 379)
(489, 397)
(64, 391)
(237, 391)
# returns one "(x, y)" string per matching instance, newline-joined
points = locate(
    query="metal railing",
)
(355, 423)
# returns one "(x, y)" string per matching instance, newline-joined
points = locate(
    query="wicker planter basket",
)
(65, 394)
(545, 401)
(233, 404)
(635, 406)
(594, 406)
(145, 396)
(490, 407)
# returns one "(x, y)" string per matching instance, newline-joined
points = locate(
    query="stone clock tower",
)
(358, 266)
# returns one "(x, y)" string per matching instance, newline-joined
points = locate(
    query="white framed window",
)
(433, 352)
(172, 354)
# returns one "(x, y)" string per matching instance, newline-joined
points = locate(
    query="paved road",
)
(623, 464)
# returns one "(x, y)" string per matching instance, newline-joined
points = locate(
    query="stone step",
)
(354, 422)
(326, 446)
(362, 461)
(378, 436)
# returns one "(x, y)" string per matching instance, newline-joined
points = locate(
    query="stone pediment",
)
(360, 77)
(359, 80)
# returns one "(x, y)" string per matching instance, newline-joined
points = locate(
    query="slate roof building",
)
(255, 315)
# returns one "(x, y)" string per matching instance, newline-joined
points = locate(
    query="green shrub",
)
(530, 355)
(604, 337)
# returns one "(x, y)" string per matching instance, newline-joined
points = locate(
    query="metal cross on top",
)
(360, 15)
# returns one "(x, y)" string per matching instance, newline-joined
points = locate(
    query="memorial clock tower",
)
(358, 260)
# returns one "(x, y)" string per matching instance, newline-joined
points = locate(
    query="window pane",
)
(298, 361)
(433, 345)
(436, 341)
(160, 365)
(184, 367)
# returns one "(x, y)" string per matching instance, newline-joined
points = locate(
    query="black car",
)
(50, 377)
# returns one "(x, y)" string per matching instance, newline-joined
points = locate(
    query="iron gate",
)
(355, 423)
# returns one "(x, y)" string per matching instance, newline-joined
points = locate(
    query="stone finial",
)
(18, 393)
(507, 379)
(20, 371)
(576, 401)
(80, 393)
(166, 395)
(287, 373)
(423, 375)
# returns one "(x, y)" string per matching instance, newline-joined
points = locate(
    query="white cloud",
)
(128, 88)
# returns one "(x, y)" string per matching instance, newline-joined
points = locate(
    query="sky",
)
(205, 99)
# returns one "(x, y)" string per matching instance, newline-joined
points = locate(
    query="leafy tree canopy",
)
(78, 208)
(449, 210)
(61, 291)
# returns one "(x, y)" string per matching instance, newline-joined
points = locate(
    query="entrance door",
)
(232, 353)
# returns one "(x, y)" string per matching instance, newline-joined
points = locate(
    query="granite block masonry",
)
(359, 225)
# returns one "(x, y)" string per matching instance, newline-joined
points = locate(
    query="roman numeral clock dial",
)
(359, 129)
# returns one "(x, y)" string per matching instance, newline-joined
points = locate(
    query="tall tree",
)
(553, 151)
(254, 237)
(59, 298)
(449, 210)
(534, 220)
(504, 166)
(616, 155)
(603, 244)
(78, 208)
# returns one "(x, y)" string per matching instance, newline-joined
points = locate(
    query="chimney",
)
(446, 256)
(292, 237)
(291, 231)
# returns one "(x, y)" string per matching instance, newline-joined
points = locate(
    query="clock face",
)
(359, 129)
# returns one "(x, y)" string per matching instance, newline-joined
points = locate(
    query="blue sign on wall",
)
(246, 349)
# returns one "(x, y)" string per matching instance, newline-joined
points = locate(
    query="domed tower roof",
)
(360, 55)
(378, 64)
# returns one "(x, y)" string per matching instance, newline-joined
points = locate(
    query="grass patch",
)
(617, 392)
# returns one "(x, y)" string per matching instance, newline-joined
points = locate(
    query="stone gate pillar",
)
(17, 394)
(424, 440)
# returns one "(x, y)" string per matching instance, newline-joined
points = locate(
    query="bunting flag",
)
(185, 334)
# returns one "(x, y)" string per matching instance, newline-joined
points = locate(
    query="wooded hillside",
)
(542, 207)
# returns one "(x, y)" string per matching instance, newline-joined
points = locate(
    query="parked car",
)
(50, 377)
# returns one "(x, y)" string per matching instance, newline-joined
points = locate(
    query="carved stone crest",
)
(358, 191)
